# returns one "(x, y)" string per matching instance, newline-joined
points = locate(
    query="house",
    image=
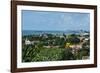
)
(27, 42)
(76, 46)
(84, 34)
(86, 39)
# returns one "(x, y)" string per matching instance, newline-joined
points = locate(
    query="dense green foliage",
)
(57, 50)
(45, 54)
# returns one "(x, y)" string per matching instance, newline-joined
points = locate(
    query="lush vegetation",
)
(49, 47)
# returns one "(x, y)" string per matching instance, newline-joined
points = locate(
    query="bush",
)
(46, 54)
(83, 52)
(67, 55)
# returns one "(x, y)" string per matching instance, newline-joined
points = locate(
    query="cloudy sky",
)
(54, 21)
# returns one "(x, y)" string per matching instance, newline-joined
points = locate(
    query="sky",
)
(54, 21)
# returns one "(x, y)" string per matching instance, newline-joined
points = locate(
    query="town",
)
(54, 47)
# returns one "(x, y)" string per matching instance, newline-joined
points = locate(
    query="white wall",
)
(5, 36)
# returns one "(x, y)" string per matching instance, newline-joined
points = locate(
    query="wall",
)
(5, 35)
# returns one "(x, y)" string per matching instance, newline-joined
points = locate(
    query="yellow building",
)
(67, 45)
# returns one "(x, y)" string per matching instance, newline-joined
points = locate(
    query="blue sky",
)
(54, 21)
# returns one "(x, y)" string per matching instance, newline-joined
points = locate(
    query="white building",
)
(27, 42)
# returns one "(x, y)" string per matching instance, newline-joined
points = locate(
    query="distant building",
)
(84, 34)
(45, 36)
(61, 36)
(27, 42)
(76, 46)
(86, 39)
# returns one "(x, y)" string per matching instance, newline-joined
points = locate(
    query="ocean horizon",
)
(35, 32)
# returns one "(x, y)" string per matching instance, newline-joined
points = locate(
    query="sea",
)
(32, 32)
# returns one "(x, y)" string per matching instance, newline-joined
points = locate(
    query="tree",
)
(67, 55)
(82, 52)
(46, 54)
(73, 40)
